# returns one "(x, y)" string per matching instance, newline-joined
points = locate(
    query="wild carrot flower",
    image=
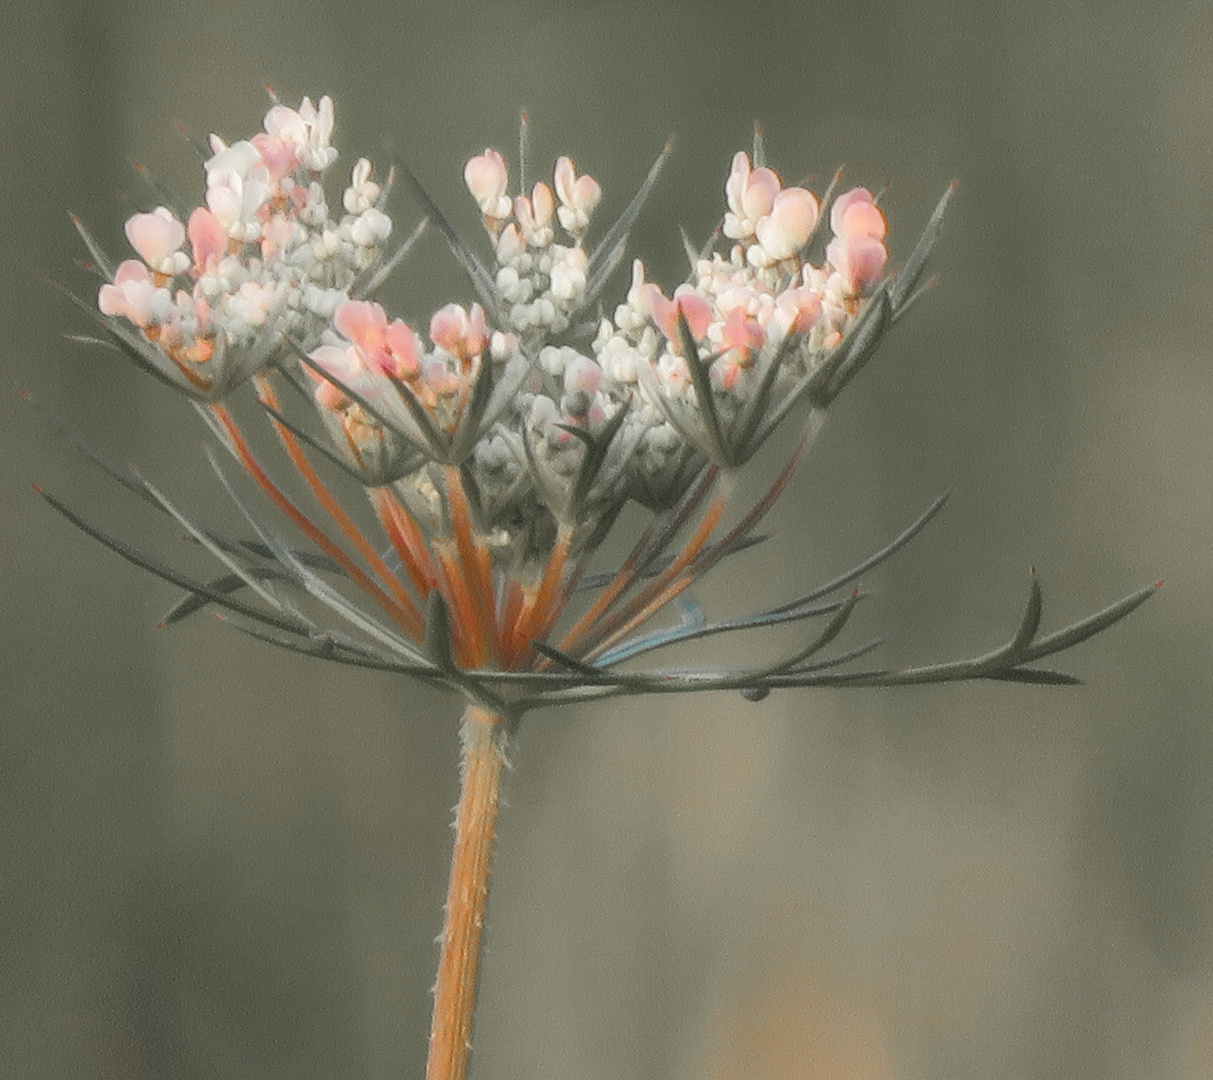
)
(499, 440)
(265, 260)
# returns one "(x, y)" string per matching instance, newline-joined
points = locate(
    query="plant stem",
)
(484, 741)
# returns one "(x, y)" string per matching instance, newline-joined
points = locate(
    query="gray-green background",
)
(221, 862)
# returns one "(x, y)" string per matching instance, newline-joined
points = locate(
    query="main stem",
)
(484, 740)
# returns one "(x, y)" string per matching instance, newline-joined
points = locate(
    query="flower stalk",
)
(484, 735)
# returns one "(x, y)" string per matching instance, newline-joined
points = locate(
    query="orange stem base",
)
(484, 742)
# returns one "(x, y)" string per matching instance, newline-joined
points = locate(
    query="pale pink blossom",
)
(439, 379)
(133, 294)
(487, 177)
(741, 332)
(693, 307)
(461, 333)
(158, 237)
(750, 194)
(790, 223)
(208, 239)
(299, 136)
(534, 215)
(510, 244)
(855, 213)
(582, 377)
(796, 310)
(388, 348)
(859, 261)
(578, 195)
(857, 252)
(673, 373)
(237, 186)
(345, 364)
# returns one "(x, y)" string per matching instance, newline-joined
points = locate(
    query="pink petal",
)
(742, 332)
(804, 305)
(693, 307)
(402, 347)
(155, 236)
(856, 214)
(759, 194)
(739, 177)
(208, 238)
(131, 270)
(362, 321)
(458, 332)
(565, 177)
(859, 261)
(790, 223)
(582, 376)
(486, 177)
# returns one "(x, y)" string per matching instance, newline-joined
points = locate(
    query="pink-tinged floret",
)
(345, 365)
(857, 251)
(486, 176)
(208, 239)
(582, 377)
(133, 294)
(158, 237)
(796, 310)
(463, 334)
(296, 137)
(534, 215)
(578, 195)
(751, 194)
(237, 185)
(856, 214)
(741, 332)
(693, 307)
(790, 223)
(859, 262)
(387, 348)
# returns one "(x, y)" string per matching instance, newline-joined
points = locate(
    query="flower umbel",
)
(499, 444)
(499, 439)
(209, 300)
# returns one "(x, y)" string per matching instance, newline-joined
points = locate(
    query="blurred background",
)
(217, 861)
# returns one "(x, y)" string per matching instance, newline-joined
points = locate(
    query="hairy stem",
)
(484, 742)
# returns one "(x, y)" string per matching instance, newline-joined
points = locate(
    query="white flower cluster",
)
(264, 259)
(540, 283)
(760, 315)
